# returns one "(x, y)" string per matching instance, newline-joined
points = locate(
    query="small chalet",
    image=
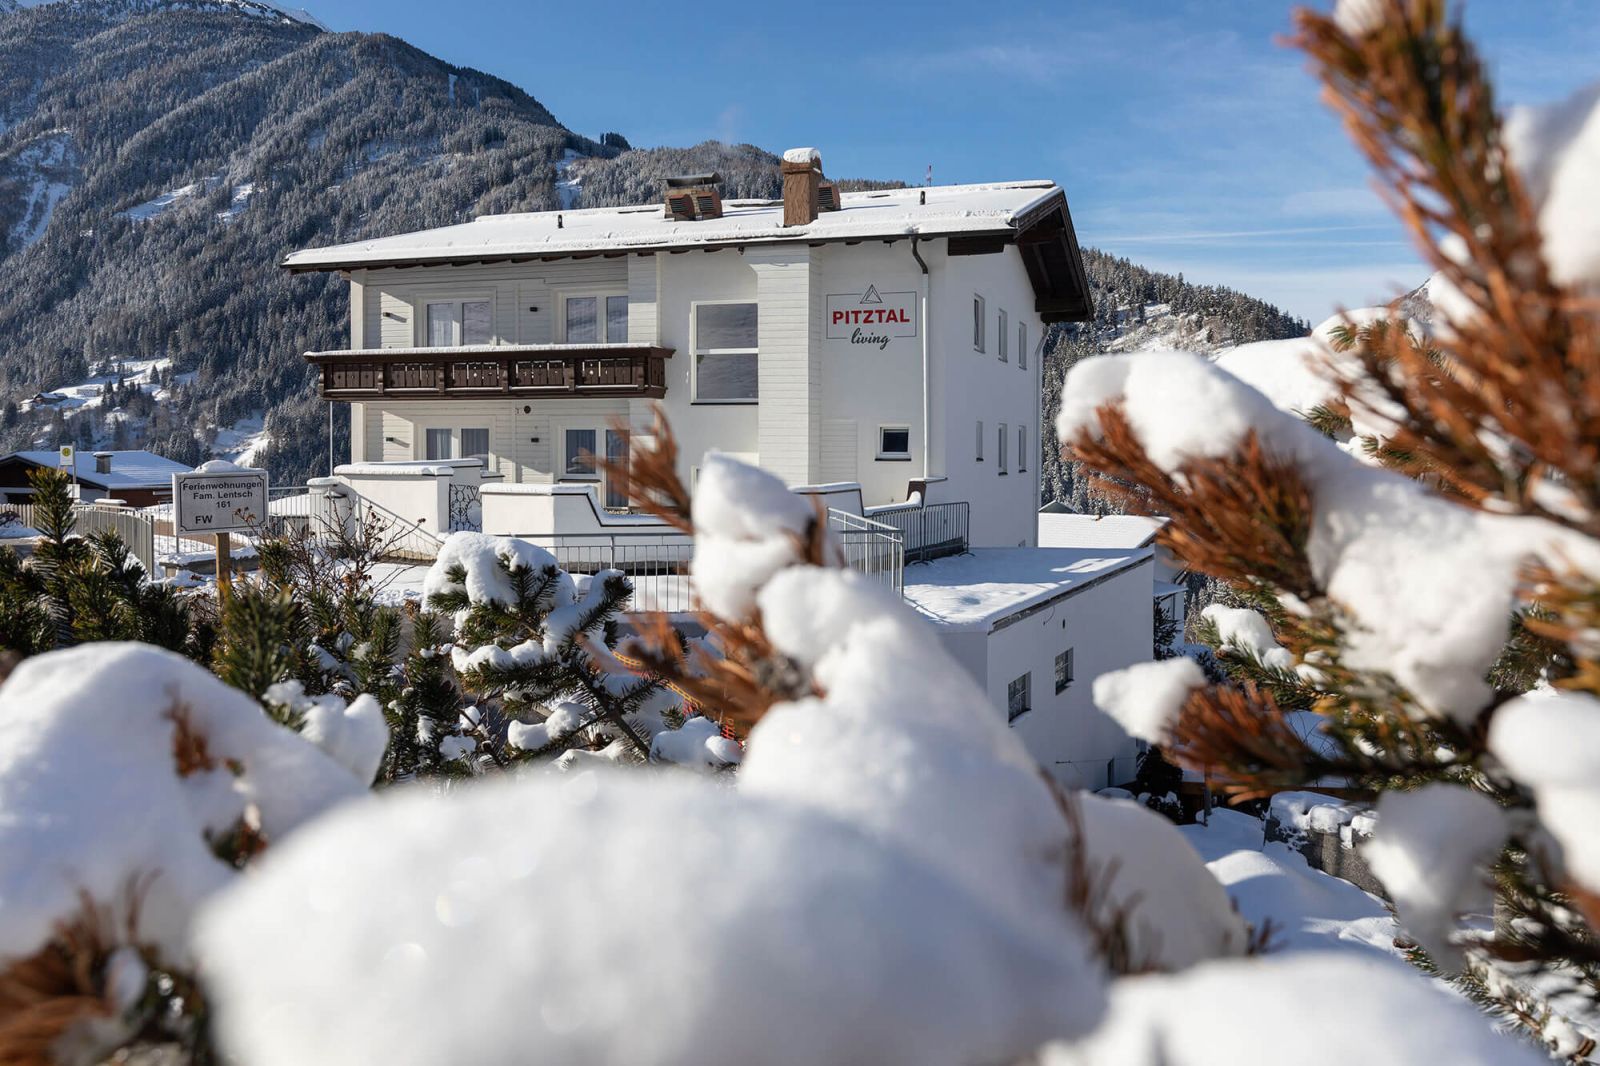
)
(137, 478)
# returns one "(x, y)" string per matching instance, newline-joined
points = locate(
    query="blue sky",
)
(1186, 136)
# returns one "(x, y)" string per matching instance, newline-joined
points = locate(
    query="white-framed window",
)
(894, 443)
(1022, 345)
(617, 453)
(1019, 697)
(580, 455)
(1022, 449)
(1003, 337)
(979, 326)
(980, 440)
(1000, 449)
(594, 318)
(453, 323)
(438, 444)
(726, 361)
(1063, 670)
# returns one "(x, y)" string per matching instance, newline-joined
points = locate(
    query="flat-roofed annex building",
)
(888, 338)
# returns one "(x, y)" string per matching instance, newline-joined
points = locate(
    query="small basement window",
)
(894, 443)
(1063, 670)
(978, 324)
(1003, 337)
(1019, 697)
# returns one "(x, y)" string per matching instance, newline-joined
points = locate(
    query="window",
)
(1003, 337)
(438, 445)
(1022, 449)
(455, 323)
(1019, 697)
(595, 319)
(580, 453)
(616, 319)
(894, 442)
(583, 319)
(1063, 670)
(977, 323)
(1022, 345)
(475, 444)
(725, 363)
(1000, 449)
(617, 483)
(980, 440)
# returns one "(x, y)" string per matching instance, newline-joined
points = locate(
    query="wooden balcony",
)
(491, 371)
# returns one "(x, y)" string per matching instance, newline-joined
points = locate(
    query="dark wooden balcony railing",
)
(488, 372)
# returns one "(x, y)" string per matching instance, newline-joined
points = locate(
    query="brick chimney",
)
(102, 462)
(802, 175)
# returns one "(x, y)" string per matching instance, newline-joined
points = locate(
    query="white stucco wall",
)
(1107, 626)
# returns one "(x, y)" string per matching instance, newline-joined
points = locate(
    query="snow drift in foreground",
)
(632, 919)
(120, 765)
(1276, 1012)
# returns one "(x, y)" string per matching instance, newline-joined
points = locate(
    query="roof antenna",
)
(928, 178)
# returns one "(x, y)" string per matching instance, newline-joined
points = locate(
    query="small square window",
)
(1063, 670)
(894, 442)
(1019, 697)
(1003, 337)
(979, 327)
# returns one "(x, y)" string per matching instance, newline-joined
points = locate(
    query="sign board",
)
(68, 454)
(871, 318)
(224, 501)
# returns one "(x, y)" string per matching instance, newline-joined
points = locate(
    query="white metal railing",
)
(870, 547)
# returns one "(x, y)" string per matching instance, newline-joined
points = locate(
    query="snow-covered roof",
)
(932, 211)
(988, 585)
(1097, 531)
(129, 469)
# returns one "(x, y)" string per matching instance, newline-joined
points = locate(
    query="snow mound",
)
(779, 936)
(904, 745)
(1178, 913)
(1146, 698)
(1277, 1010)
(1550, 741)
(119, 763)
(1429, 851)
(1557, 150)
(748, 526)
(479, 554)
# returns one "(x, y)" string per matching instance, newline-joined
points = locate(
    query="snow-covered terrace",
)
(987, 585)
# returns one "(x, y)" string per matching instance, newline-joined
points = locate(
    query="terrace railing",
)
(489, 371)
(929, 531)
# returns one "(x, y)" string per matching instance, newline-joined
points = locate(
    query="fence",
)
(870, 547)
(136, 530)
(929, 531)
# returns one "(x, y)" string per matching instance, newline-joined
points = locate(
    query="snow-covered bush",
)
(134, 785)
(1407, 511)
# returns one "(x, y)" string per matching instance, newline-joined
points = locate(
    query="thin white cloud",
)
(1243, 234)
